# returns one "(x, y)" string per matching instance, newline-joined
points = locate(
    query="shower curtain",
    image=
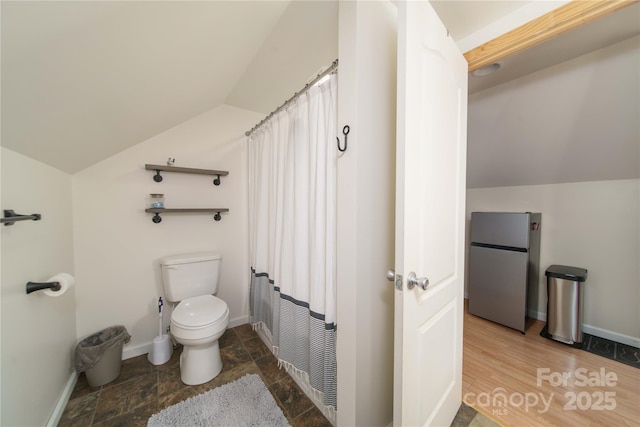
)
(292, 215)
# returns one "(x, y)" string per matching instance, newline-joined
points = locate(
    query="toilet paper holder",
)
(39, 286)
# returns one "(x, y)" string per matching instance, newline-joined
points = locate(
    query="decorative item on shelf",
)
(156, 201)
(170, 161)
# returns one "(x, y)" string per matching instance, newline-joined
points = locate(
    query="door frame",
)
(355, 282)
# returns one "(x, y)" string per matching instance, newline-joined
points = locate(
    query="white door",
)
(430, 219)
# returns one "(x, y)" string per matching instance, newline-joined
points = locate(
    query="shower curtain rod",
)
(331, 69)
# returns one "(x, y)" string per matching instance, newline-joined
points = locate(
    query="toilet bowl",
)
(199, 319)
(197, 323)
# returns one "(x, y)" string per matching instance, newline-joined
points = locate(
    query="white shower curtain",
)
(292, 211)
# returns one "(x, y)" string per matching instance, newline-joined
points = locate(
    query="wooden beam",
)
(565, 18)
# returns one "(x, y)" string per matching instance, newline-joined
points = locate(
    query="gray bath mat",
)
(244, 402)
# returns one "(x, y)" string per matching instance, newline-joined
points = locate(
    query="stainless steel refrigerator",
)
(504, 260)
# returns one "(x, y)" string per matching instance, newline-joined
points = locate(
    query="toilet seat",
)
(200, 312)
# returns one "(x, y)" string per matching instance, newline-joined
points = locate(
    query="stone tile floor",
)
(469, 417)
(143, 389)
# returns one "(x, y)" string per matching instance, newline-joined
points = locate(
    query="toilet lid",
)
(199, 311)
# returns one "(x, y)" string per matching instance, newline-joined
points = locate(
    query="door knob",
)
(413, 280)
(391, 275)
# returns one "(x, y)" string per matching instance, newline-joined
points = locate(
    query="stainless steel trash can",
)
(565, 300)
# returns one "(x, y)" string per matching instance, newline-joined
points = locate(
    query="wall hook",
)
(157, 177)
(345, 132)
(216, 181)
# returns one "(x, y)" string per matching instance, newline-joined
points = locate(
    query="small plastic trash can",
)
(100, 355)
(565, 299)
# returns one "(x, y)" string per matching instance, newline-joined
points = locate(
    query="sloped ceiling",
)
(608, 30)
(575, 121)
(82, 81)
(564, 111)
(304, 42)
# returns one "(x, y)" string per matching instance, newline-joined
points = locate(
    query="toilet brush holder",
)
(161, 350)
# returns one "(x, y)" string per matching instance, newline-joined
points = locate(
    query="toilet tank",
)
(190, 275)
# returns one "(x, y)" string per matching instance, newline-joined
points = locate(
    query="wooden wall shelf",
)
(163, 168)
(157, 211)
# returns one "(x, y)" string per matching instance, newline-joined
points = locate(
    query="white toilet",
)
(200, 319)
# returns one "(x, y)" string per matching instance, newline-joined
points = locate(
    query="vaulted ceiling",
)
(82, 81)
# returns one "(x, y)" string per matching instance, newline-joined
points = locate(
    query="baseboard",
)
(145, 348)
(610, 335)
(238, 321)
(594, 330)
(539, 315)
(54, 419)
(139, 350)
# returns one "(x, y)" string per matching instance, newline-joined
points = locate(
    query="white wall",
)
(366, 205)
(38, 332)
(117, 246)
(592, 225)
(1, 383)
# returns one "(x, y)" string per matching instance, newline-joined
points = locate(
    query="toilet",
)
(199, 319)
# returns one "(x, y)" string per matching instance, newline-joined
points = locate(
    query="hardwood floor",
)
(528, 380)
